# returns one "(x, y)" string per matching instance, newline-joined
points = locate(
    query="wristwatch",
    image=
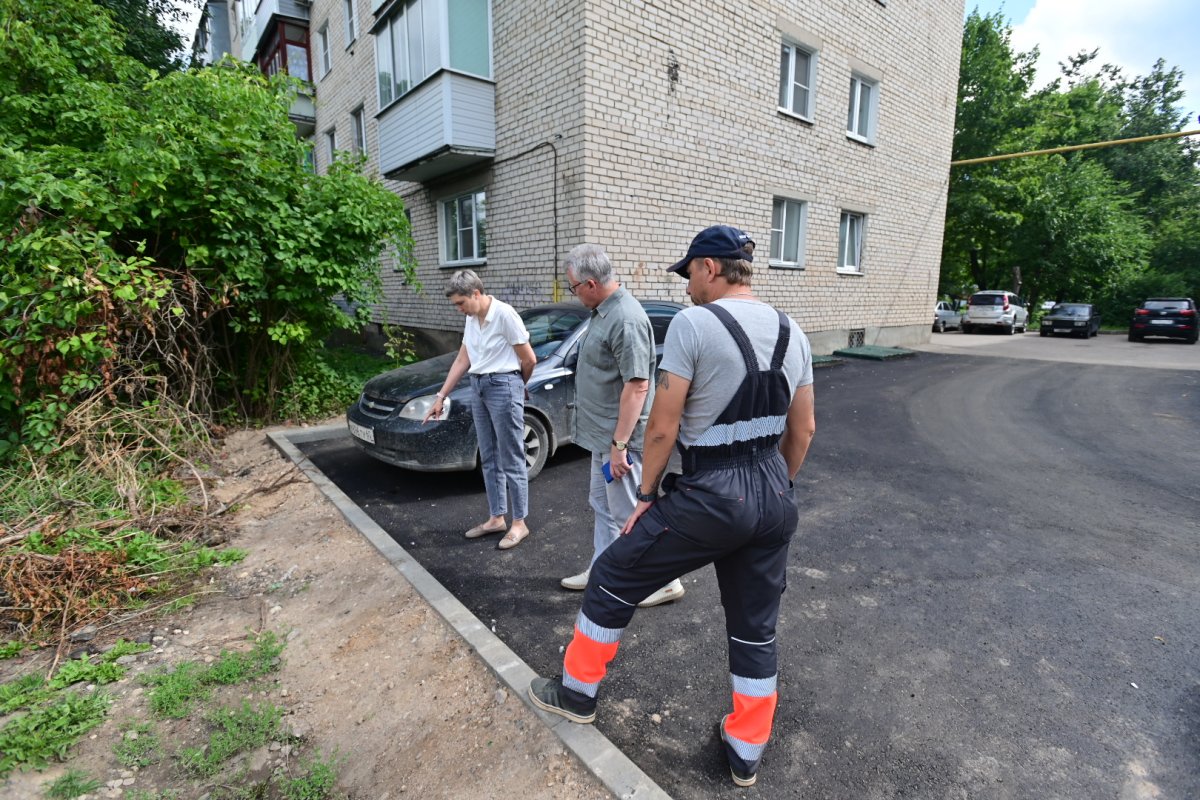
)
(620, 445)
(646, 498)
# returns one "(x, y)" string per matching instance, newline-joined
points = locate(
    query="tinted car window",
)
(987, 299)
(660, 320)
(1165, 305)
(1072, 311)
(548, 328)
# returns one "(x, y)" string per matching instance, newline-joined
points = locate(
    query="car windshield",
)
(550, 327)
(987, 299)
(1071, 311)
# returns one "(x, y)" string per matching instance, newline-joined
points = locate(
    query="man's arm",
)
(799, 430)
(528, 360)
(629, 409)
(661, 432)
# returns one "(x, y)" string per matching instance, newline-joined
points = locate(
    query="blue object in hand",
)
(606, 468)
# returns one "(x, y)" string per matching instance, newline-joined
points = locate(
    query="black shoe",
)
(743, 773)
(550, 695)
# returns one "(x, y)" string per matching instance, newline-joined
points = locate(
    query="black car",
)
(1073, 319)
(386, 421)
(1174, 317)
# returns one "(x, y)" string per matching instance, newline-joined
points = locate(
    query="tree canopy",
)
(1107, 226)
(163, 231)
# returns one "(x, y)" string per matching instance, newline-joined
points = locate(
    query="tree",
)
(150, 36)
(163, 231)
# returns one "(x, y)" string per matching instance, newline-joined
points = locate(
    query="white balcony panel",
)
(446, 124)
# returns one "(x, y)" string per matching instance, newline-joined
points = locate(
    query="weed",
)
(231, 667)
(146, 794)
(74, 783)
(173, 692)
(11, 649)
(315, 784)
(125, 648)
(139, 746)
(238, 730)
(179, 604)
(24, 691)
(48, 730)
(82, 669)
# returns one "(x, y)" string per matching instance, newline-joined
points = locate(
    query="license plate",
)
(1062, 330)
(1162, 322)
(362, 432)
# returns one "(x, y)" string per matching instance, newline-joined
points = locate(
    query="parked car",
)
(946, 316)
(385, 422)
(1174, 317)
(995, 310)
(1074, 319)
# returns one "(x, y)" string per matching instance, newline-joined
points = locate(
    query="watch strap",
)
(646, 498)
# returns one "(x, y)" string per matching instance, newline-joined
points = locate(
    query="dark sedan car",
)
(1073, 319)
(1174, 317)
(386, 420)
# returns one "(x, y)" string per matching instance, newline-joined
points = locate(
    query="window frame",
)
(445, 248)
(351, 14)
(809, 111)
(854, 112)
(843, 267)
(358, 130)
(777, 258)
(325, 59)
(331, 144)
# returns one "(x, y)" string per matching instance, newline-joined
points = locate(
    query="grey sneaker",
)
(576, 583)
(550, 695)
(743, 773)
(672, 591)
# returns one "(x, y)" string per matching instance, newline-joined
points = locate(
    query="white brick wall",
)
(644, 162)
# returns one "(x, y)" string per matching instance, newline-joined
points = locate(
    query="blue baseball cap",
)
(716, 241)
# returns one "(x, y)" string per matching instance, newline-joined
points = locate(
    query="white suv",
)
(1003, 311)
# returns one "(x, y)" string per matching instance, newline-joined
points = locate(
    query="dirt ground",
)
(370, 672)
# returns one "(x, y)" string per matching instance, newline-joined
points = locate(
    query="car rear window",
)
(1166, 305)
(987, 299)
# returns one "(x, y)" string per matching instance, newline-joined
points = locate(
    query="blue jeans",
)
(498, 408)
(613, 503)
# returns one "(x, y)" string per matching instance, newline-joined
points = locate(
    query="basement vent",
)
(856, 338)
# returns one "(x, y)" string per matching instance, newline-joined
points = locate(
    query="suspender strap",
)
(739, 336)
(781, 344)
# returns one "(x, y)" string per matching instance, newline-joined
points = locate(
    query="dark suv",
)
(1174, 317)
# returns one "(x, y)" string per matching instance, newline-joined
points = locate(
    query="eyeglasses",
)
(571, 288)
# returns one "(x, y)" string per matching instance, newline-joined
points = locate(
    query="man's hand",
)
(638, 510)
(618, 463)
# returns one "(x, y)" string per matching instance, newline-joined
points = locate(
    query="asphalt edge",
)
(598, 755)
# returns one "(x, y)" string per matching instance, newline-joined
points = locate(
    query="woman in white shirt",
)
(496, 354)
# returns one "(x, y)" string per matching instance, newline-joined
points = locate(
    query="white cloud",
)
(1132, 35)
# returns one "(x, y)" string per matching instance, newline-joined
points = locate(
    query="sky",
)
(1132, 35)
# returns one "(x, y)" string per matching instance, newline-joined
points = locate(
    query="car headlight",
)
(419, 407)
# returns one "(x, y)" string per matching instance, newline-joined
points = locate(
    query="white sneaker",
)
(576, 583)
(672, 591)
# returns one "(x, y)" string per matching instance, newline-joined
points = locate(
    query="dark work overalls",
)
(733, 508)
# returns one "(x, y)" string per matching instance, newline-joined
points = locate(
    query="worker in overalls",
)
(735, 392)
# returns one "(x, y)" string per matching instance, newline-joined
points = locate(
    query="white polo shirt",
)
(490, 346)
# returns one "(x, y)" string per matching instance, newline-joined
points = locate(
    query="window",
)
(420, 37)
(788, 218)
(323, 49)
(351, 23)
(331, 144)
(860, 117)
(286, 51)
(464, 221)
(358, 129)
(796, 70)
(850, 242)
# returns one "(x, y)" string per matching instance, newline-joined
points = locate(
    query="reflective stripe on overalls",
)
(733, 508)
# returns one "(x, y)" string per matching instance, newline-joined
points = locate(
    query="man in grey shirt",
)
(613, 394)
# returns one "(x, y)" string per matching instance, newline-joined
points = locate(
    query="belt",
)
(485, 374)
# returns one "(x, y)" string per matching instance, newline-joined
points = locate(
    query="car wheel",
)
(1043, 333)
(1010, 330)
(1133, 337)
(537, 445)
(940, 327)
(965, 329)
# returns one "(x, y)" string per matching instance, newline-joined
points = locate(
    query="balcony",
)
(268, 10)
(303, 115)
(445, 125)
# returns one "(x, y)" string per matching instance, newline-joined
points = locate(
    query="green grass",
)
(73, 784)
(48, 729)
(12, 649)
(140, 750)
(316, 783)
(175, 692)
(238, 730)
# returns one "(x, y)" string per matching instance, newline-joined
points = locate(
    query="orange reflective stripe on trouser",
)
(751, 718)
(588, 654)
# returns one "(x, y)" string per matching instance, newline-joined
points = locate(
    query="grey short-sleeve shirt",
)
(699, 349)
(617, 348)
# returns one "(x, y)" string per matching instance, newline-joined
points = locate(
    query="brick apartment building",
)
(516, 129)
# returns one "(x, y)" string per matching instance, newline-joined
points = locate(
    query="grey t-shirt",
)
(700, 349)
(617, 348)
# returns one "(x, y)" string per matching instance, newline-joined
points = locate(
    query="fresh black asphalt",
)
(994, 590)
